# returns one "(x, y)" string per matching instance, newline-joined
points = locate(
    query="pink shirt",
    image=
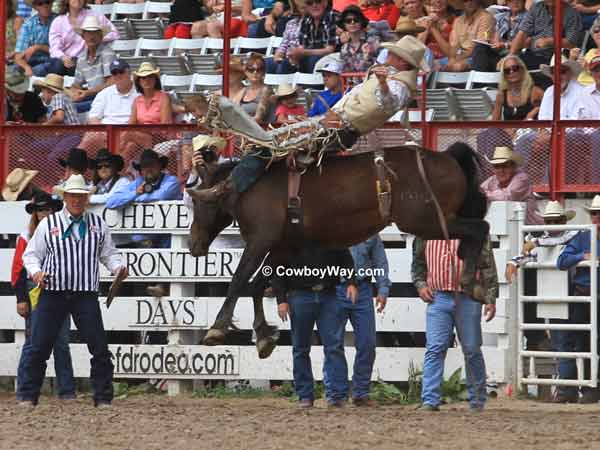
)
(64, 40)
(518, 190)
(149, 115)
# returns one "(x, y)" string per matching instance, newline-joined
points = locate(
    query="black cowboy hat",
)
(77, 159)
(354, 10)
(104, 155)
(149, 157)
(43, 200)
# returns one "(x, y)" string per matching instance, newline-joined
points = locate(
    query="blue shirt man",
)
(333, 89)
(32, 50)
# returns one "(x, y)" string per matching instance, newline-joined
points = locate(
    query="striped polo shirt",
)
(439, 258)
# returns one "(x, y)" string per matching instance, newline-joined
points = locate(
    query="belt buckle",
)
(318, 287)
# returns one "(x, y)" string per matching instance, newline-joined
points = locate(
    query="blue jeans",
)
(62, 360)
(362, 318)
(52, 311)
(443, 314)
(57, 66)
(306, 309)
(40, 64)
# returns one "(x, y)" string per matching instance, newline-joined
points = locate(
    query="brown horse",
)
(340, 209)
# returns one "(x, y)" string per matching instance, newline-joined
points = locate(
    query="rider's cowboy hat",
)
(548, 70)
(407, 26)
(15, 81)
(409, 48)
(43, 200)
(285, 89)
(505, 154)
(146, 69)
(16, 182)
(204, 141)
(91, 23)
(595, 206)
(76, 159)
(75, 184)
(52, 81)
(149, 157)
(104, 155)
(354, 11)
(554, 210)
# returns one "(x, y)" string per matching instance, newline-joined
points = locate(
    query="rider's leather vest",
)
(359, 108)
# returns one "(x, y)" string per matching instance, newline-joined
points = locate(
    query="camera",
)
(208, 155)
(149, 188)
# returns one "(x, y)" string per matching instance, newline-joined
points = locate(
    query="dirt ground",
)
(158, 422)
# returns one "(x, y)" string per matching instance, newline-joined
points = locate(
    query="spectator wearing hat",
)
(510, 182)
(333, 89)
(577, 250)
(60, 108)
(93, 65)
(405, 26)
(18, 185)
(106, 176)
(288, 110)
(32, 51)
(76, 163)
(22, 105)
(65, 44)
(41, 206)
(70, 288)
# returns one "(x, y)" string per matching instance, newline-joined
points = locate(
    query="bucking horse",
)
(440, 199)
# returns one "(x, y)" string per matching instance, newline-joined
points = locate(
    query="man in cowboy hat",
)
(107, 177)
(579, 249)
(18, 186)
(32, 52)
(570, 90)
(70, 288)
(93, 65)
(76, 163)
(510, 182)
(60, 108)
(22, 105)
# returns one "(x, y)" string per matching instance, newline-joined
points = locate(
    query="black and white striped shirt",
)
(71, 264)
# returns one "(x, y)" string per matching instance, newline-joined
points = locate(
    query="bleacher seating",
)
(251, 44)
(125, 47)
(308, 79)
(171, 65)
(449, 78)
(187, 46)
(203, 82)
(135, 61)
(124, 29)
(156, 8)
(148, 46)
(215, 45)
(127, 9)
(199, 63)
(177, 83)
(147, 28)
(482, 78)
(273, 79)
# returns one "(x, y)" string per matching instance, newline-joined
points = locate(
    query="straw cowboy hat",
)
(104, 155)
(285, 89)
(146, 69)
(548, 70)
(409, 48)
(75, 185)
(407, 26)
(91, 23)
(204, 141)
(42, 200)
(554, 209)
(595, 206)
(16, 182)
(52, 81)
(505, 154)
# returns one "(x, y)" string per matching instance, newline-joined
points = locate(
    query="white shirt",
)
(589, 104)
(111, 107)
(569, 102)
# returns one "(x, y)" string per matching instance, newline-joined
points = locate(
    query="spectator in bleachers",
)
(93, 65)
(317, 35)
(22, 14)
(585, 77)
(589, 106)
(588, 9)
(282, 61)
(76, 163)
(380, 11)
(288, 110)
(22, 105)
(438, 26)
(517, 98)
(213, 25)
(486, 57)
(570, 90)
(333, 89)
(408, 27)
(32, 53)
(66, 45)
(257, 25)
(41, 206)
(414, 9)
(18, 185)
(60, 108)
(357, 54)
(237, 76)
(183, 14)
(106, 176)
(475, 23)
(256, 97)
(510, 182)
(538, 25)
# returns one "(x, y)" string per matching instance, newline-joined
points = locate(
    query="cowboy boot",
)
(215, 193)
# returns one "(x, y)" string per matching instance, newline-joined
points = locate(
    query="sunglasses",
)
(511, 69)
(255, 69)
(103, 166)
(351, 20)
(595, 30)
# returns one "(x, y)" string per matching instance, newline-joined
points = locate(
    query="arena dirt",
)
(159, 422)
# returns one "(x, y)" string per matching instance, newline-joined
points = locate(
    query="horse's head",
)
(209, 218)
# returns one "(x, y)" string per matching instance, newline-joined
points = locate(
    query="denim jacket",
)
(370, 255)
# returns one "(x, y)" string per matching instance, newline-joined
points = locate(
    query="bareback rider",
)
(386, 90)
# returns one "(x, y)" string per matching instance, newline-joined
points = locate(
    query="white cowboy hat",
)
(505, 154)
(595, 206)
(409, 48)
(75, 185)
(52, 81)
(331, 66)
(285, 89)
(548, 70)
(16, 182)
(554, 209)
(204, 141)
(91, 23)
(146, 69)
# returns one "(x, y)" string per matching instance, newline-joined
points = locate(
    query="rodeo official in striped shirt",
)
(454, 291)
(62, 257)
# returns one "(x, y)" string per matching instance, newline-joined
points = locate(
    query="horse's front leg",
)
(266, 335)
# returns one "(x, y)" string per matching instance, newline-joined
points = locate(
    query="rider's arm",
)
(392, 96)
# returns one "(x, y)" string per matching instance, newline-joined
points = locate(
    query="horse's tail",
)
(475, 202)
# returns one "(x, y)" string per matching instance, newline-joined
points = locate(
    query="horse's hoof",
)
(265, 347)
(214, 337)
